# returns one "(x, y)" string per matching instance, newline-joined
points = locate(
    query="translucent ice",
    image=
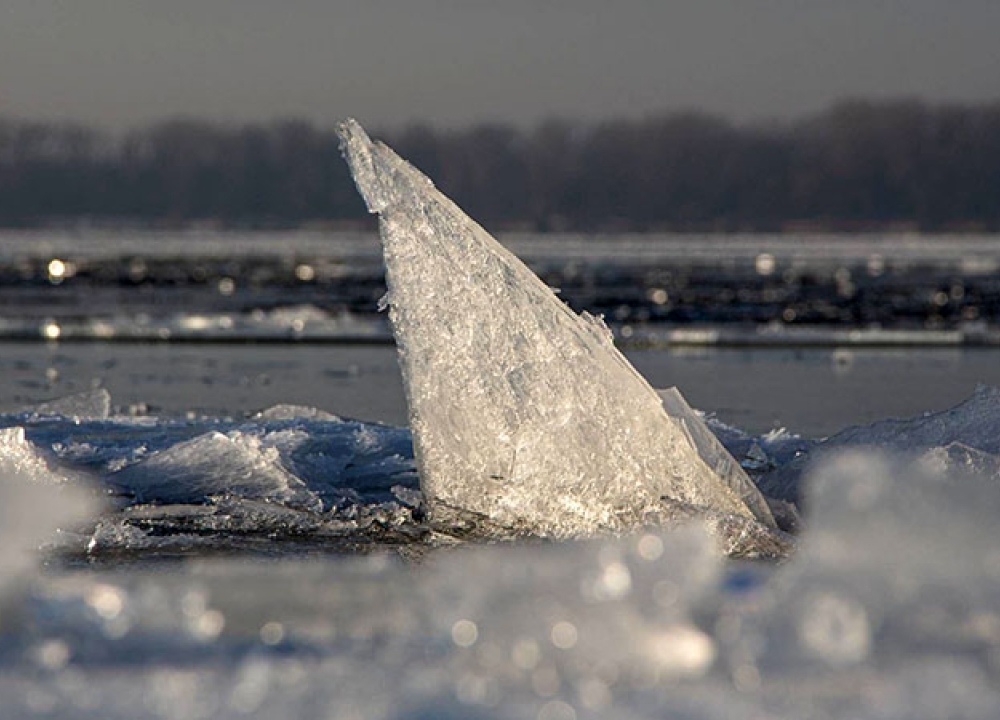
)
(522, 411)
(891, 611)
(20, 457)
(294, 412)
(896, 582)
(237, 463)
(714, 454)
(89, 405)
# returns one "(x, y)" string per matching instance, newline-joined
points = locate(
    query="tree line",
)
(857, 165)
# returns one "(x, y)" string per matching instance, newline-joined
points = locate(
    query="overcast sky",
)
(121, 63)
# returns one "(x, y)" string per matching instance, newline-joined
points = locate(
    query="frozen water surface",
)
(345, 601)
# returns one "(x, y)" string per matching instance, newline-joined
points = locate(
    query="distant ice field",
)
(324, 286)
(970, 251)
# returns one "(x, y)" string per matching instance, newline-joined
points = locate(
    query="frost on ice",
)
(522, 411)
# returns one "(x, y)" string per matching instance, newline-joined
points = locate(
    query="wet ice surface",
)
(890, 607)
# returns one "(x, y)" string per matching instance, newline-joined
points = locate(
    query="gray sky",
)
(120, 63)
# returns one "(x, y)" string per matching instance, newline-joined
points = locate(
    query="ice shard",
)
(522, 411)
(714, 454)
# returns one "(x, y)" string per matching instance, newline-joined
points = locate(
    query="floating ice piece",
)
(89, 405)
(20, 457)
(715, 455)
(295, 412)
(522, 411)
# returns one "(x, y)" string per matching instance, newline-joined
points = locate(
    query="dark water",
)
(818, 391)
(813, 391)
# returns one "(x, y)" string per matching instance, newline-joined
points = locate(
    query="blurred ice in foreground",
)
(890, 609)
(36, 501)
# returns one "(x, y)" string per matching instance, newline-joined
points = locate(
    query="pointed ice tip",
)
(383, 178)
(356, 147)
(352, 136)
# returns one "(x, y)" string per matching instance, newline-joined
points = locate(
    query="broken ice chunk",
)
(295, 412)
(241, 464)
(756, 458)
(89, 405)
(965, 435)
(521, 410)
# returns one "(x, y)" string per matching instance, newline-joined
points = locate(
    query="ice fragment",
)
(522, 411)
(89, 405)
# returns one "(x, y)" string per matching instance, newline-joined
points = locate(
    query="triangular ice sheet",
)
(521, 410)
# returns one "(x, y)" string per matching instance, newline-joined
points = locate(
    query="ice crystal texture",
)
(889, 609)
(521, 410)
